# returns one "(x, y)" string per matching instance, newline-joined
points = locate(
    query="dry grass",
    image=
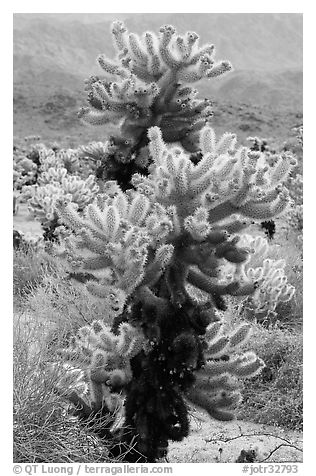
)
(275, 397)
(49, 308)
(44, 429)
(29, 269)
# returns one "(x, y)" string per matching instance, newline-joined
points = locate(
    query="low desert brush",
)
(44, 429)
(275, 397)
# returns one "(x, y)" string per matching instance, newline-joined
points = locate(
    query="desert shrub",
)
(293, 223)
(29, 269)
(261, 144)
(275, 397)
(28, 242)
(290, 250)
(64, 303)
(296, 189)
(44, 429)
(26, 162)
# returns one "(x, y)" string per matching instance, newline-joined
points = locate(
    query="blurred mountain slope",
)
(54, 53)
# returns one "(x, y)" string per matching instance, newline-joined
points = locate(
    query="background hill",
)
(54, 53)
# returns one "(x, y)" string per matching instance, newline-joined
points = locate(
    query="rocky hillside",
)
(54, 53)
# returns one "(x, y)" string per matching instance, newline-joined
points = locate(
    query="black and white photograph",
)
(157, 241)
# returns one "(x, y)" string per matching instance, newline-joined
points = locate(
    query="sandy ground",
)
(23, 221)
(212, 441)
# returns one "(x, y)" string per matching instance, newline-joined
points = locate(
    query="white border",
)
(222, 6)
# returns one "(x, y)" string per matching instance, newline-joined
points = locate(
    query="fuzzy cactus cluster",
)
(105, 358)
(294, 182)
(32, 160)
(24, 171)
(228, 180)
(29, 160)
(157, 241)
(151, 250)
(57, 178)
(273, 287)
(25, 164)
(216, 388)
(150, 83)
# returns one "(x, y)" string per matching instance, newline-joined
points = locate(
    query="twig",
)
(286, 443)
(226, 440)
(290, 445)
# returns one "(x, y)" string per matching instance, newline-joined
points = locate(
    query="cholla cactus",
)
(70, 160)
(154, 243)
(269, 274)
(104, 359)
(82, 191)
(151, 251)
(30, 165)
(48, 158)
(24, 171)
(97, 155)
(96, 150)
(226, 181)
(25, 165)
(217, 386)
(56, 159)
(52, 175)
(54, 184)
(70, 379)
(148, 84)
(54, 181)
(273, 287)
(30, 162)
(41, 201)
(112, 240)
